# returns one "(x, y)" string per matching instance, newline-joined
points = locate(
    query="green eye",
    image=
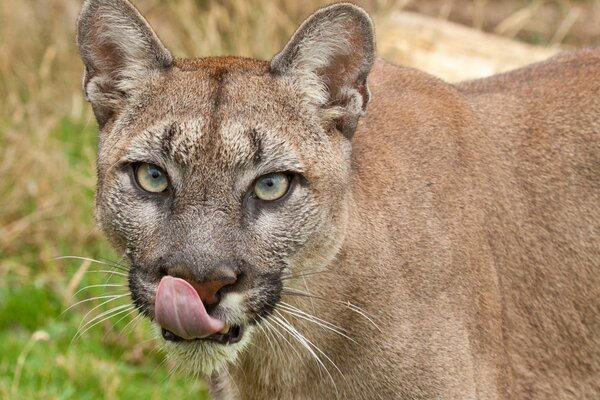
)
(151, 178)
(271, 187)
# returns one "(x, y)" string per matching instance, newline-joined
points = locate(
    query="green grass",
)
(40, 359)
(90, 368)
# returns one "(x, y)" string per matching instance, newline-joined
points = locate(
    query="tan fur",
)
(453, 235)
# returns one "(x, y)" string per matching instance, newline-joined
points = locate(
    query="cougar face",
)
(213, 139)
(217, 177)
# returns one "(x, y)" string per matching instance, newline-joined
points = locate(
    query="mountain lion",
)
(329, 225)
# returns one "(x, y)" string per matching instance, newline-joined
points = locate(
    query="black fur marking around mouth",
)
(234, 335)
(272, 286)
(138, 296)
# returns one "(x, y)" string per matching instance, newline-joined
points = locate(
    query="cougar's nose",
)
(208, 282)
(209, 289)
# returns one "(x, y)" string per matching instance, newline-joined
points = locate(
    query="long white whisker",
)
(132, 324)
(284, 305)
(361, 312)
(96, 307)
(264, 331)
(113, 262)
(113, 296)
(312, 302)
(281, 324)
(114, 314)
(122, 318)
(85, 323)
(114, 265)
(317, 321)
(305, 342)
(347, 304)
(99, 285)
(309, 342)
(304, 274)
(301, 339)
(275, 330)
(107, 272)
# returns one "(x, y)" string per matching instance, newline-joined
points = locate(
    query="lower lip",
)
(233, 336)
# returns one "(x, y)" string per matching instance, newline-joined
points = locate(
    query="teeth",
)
(225, 330)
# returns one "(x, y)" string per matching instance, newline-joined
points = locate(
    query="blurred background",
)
(47, 164)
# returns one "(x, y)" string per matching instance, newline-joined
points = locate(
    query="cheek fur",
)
(127, 219)
(288, 226)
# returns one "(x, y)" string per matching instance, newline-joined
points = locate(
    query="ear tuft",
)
(118, 49)
(328, 60)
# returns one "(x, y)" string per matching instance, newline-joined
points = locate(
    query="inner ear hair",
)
(118, 48)
(328, 60)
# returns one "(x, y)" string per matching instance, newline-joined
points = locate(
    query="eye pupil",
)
(269, 182)
(151, 178)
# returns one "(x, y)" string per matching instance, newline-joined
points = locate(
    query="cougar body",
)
(436, 241)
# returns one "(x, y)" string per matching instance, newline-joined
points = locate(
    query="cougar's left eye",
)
(151, 178)
(272, 186)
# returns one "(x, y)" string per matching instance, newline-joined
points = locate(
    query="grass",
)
(47, 156)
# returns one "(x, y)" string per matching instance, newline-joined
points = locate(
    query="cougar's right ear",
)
(118, 49)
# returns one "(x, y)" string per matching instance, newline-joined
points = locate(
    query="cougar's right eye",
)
(151, 178)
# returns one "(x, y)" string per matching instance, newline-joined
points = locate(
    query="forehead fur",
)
(223, 110)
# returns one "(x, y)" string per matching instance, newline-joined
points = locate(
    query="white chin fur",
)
(204, 357)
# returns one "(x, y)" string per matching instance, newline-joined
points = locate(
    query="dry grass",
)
(567, 22)
(47, 132)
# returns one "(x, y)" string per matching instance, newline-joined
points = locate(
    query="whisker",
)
(109, 272)
(281, 321)
(361, 312)
(290, 307)
(350, 306)
(300, 339)
(275, 330)
(95, 308)
(115, 263)
(110, 264)
(312, 302)
(84, 323)
(264, 331)
(113, 312)
(303, 274)
(311, 343)
(121, 319)
(131, 325)
(311, 318)
(99, 285)
(113, 296)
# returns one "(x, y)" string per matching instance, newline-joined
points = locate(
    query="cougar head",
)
(217, 177)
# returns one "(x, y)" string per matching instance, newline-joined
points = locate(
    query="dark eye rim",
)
(292, 179)
(133, 169)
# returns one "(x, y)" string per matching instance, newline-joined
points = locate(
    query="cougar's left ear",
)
(119, 50)
(328, 60)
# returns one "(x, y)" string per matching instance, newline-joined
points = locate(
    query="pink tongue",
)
(179, 309)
